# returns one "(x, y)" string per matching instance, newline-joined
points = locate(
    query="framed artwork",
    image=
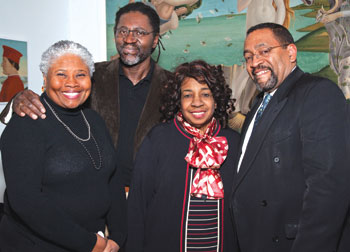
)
(14, 68)
(214, 30)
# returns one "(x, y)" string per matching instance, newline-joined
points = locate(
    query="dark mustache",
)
(133, 45)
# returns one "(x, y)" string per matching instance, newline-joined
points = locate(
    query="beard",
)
(269, 84)
(139, 57)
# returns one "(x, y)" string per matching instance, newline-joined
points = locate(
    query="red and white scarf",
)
(206, 153)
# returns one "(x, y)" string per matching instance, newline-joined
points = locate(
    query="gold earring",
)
(43, 89)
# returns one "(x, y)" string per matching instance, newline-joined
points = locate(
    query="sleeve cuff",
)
(9, 114)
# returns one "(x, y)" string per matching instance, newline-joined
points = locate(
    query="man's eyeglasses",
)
(136, 33)
(263, 52)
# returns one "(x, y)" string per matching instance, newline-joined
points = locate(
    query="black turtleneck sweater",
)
(55, 197)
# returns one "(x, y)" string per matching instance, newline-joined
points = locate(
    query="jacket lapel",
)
(260, 132)
(112, 101)
(150, 114)
(104, 96)
(250, 116)
(258, 136)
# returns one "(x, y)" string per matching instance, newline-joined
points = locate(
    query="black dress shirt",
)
(132, 99)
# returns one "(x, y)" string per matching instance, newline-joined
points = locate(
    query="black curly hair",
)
(142, 8)
(205, 74)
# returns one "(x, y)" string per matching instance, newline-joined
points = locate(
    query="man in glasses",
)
(291, 191)
(125, 91)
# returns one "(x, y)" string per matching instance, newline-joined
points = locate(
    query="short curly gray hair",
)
(61, 48)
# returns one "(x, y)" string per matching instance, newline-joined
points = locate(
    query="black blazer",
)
(291, 192)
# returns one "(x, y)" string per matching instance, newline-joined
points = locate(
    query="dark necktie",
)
(266, 100)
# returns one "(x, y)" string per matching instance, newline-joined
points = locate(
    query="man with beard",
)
(125, 91)
(291, 191)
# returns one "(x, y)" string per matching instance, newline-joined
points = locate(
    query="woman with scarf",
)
(182, 180)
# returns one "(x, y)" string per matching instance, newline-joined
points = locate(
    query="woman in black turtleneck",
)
(62, 186)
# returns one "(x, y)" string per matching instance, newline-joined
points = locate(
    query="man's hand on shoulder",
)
(27, 103)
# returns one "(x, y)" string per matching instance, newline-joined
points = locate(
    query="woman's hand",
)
(112, 246)
(100, 245)
(27, 103)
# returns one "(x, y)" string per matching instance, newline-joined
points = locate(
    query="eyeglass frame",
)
(260, 53)
(146, 33)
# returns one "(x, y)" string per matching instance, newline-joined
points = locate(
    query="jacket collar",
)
(288, 84)
(150, 115)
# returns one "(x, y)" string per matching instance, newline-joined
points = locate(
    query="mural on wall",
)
(13, 71)
(215, 30)
(337, 24)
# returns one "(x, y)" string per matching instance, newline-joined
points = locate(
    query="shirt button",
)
(263, 203)
(276, 159)
(275, 239)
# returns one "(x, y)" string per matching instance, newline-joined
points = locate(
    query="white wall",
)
(87, 26)
(43, 22)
